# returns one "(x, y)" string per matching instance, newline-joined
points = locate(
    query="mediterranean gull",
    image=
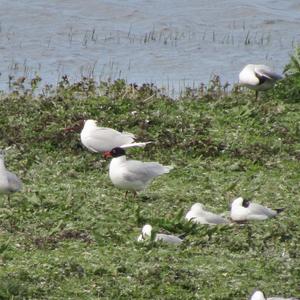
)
(132, 175)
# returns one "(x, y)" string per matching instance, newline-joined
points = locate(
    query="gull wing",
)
(131, 145)
(214, 218)
(105, 139)
(143, 171)
(264, 73)
(170, 239)
(257, 209)
(15, 183)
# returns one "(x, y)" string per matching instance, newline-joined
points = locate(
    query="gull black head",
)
(246, 202)
(115, 152)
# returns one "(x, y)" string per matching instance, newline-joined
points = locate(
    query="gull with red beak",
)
(132, 175)
(102, 139)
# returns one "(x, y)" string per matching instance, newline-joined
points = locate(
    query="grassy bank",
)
(71, 235)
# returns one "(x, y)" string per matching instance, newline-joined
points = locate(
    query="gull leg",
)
(256, 95)
(134, 194)
(8, 200)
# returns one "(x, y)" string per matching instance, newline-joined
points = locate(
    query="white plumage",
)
(132, 175)
(166, 238)
(244, 210)
(101, 139)
(198, 214)
(259, 295)
(9, 182)
(258, 77)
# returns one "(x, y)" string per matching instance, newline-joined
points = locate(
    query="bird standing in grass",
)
(243, 210)
(132, 175)
(166, 238)
(258, 78)
(101, 139)
(9, 182)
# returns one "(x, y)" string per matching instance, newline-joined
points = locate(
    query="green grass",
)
(70, 234)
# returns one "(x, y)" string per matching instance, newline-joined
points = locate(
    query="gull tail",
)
(168, 168)
(131, 145)
(279, 210)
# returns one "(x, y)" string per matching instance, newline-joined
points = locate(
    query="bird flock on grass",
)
(134, 175)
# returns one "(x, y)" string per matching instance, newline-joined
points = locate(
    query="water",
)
(172, 43)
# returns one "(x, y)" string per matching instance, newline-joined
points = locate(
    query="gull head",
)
(197, 208)
(89, 123)
(146, 231)
(237, 202)
(115, 152)
(77, 127)
(258, 295)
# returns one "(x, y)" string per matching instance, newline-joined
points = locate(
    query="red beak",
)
(107, 154)
(68, 129)
(76, 127)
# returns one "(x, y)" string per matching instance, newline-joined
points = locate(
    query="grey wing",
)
(170, 239)
(143, 171)
(266, 73)
(257, 209)
(110, 137)
(215, 219)
(15, 183)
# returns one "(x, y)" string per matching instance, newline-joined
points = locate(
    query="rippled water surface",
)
(170, 42)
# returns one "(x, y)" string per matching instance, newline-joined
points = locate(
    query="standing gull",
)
(102, 139)
(9, 182)
(258, 78)
(166, 238)
(244, 210)
(132, 175)
(198, 214)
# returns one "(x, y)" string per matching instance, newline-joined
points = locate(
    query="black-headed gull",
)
(244, 210)
(166, 238)
(198, 214)
(9, 182)
(259, 295)
(258, 77)
(132, 175)
(102, 139)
